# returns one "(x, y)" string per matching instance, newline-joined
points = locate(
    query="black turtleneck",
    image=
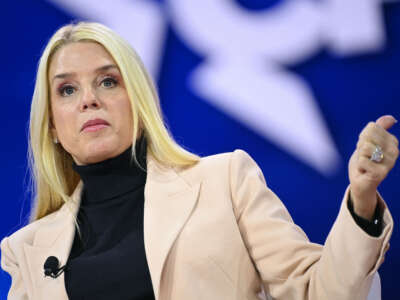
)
(109, 262)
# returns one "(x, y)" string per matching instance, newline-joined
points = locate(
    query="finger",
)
(390, 155)
(376, 172)
(366, 149)
(374, 134)
(392, 152)
(386, 121)
(377, 135)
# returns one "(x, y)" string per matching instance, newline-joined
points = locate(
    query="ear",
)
(53, 130)
(54, 135)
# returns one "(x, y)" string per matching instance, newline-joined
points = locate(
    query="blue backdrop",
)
(291, 82)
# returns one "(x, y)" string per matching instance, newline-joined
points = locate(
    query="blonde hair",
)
(53, 178)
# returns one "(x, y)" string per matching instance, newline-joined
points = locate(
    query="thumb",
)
(386, 121)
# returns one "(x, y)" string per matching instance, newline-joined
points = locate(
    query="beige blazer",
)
(213, 231)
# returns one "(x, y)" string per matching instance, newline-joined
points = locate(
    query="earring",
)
(55, 140)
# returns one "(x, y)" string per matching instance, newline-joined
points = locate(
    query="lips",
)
(94, 125)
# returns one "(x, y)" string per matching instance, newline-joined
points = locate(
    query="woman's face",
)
(90, 108)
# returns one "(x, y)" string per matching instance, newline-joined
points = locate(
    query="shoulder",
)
(26, 234)
(223, 159)
(231, 160)
(222, 165)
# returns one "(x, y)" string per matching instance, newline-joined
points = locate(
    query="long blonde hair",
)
(51, 166)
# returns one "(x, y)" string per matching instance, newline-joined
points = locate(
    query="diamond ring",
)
(377, 155)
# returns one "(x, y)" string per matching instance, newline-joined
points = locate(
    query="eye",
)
(66, 90)
(109, 82)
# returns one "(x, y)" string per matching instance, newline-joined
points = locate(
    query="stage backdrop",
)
(291, 82)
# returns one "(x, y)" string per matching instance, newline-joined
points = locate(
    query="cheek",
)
(128, 117)
(125, 124)
(63, 121)
(123, 113)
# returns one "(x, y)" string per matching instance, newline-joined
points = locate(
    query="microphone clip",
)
(51, 267)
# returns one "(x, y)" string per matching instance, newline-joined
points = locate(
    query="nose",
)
(89, 100)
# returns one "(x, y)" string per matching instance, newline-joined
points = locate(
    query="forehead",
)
(79, 57)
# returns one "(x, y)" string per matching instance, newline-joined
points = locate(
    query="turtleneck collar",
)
(113, 177)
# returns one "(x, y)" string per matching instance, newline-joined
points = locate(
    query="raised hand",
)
(366, 174)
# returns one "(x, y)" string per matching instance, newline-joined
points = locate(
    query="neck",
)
(115, 176)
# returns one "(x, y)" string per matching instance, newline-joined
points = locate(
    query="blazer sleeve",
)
(290, 266)
(9, 264)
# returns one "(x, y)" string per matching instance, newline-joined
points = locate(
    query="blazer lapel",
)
(53, 239)
(169, 201)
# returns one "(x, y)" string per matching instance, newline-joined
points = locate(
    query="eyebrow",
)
(100, 69)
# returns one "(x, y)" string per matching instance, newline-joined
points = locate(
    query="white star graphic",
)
(243, 73)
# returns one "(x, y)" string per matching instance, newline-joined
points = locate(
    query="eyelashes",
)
(66, 90)
(61, 90)
(110, 79)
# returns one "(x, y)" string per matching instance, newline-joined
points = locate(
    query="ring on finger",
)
(377, 155)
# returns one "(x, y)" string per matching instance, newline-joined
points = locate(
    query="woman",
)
(127, 213)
